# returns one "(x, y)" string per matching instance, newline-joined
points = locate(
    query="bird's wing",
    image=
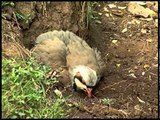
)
(81, 54)
(51, 52)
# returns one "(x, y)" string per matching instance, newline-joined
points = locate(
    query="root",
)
(14, 15)
(112, 85)
(97, 110)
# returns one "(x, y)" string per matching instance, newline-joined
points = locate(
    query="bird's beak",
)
(89, 91)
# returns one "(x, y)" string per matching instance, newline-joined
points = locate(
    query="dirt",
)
(131, 78)
(132, 53)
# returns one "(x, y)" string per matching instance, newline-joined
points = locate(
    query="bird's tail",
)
(101, 63)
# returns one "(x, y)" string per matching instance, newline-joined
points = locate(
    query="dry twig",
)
(112, 85)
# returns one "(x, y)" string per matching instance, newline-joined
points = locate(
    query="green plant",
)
(24, 92)
(51, 110)
(5, 3)
(107, 101)
(92, 14)
(23, 17)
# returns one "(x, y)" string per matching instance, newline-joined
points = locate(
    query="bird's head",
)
(81, 84)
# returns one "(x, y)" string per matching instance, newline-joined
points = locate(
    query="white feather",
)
(80, 85)
(89, 75)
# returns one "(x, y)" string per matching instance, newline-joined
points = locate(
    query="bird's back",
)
(51, 52)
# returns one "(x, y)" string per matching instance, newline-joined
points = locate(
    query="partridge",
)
(63, 48)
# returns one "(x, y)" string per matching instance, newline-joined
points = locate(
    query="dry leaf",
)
(58, 93)
(146, 19)
(149, 40)
(97, 21)
(146, 66)
(140, 100)
(152, 13)
(150, 78)
(100, 13)
(132, 75)
(140, 3)
(131, 71)
(137, 107)
(119, 7)
(124, 30)
(117, 13)
(112, 6)
(107, 14)
(143, 31)
(135, 67)
(70, 105)
(156, 65)
(114, 41)
(118, 65)
(157, 55)
(105, 9)
(134, 21)
(143, 73)
(156, 20)
(110, 14)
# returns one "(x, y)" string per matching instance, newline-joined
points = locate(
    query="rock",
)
(139, 10)
(155, 7)
(152, 5)
(140, 3)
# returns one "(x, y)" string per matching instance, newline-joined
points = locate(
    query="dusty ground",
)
(131, 77)
(133, 54)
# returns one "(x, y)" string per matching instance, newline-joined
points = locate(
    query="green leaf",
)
(21, 113)
(14, 117)
(30, 110)
(4, 3)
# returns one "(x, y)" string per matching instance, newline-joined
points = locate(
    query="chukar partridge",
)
(64, 48)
